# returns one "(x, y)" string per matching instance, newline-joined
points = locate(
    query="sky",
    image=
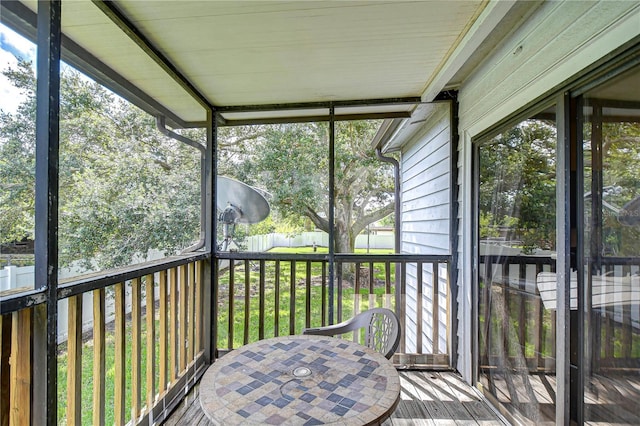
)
(12, 46)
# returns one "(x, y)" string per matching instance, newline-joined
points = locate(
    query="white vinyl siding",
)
(558, 41)
(426, 179)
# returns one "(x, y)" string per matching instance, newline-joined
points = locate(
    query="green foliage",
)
(17, 161)
(291, 163)
(517, 184)
(124, 188)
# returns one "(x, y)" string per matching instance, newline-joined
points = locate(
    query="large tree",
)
(292, 162)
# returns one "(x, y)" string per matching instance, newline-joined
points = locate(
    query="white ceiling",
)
(238, 53)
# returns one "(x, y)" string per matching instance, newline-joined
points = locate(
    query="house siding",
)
(558, 41)
(426, 199)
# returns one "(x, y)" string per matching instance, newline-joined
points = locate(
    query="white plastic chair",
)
(381, 325)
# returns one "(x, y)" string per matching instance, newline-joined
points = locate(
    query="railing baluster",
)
(356, 297)
(419, 307)
(182, 339)
(5, 367)
(162, 378)
(173, 333)
(403, 303)
(98, 357)
(199, 311)
(537, 324)
(609, 333)
(191, 302)
(627, 331)
(276, 319)
(20, 413)
(339, 292)
(292, 298)
(372, 295)
(120, 354)
(247, 300)
(522, 305)
(504, 321)
(307, 320)
(232, 284)
(324, 293)
(74, 361)
(436, 308)
(261, 300)
(151, 339)
(387, 285)
(136, 331)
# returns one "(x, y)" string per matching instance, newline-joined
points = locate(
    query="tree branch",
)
(320, 222)
(360, 224)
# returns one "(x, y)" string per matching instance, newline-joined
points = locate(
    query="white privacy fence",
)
(262, 243)
(12, 277)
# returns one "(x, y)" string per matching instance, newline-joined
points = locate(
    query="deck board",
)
(427, 399)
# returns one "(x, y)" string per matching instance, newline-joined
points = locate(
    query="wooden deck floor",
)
(427, 398)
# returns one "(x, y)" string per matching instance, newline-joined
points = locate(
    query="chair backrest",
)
(382, 332)
(381, 325)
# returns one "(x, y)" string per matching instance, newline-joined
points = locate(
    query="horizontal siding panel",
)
(441, 168)
(431, 245)
(440, 226)
(429, 153)
(430, 187)
(409, 248)
(437, 199)
(426, 214)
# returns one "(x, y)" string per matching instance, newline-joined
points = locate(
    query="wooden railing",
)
(616, 326)
(512, 315)
(134, 343)
(510, 307)
(261, 295)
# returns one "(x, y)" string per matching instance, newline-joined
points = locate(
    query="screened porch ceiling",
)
(273, 60)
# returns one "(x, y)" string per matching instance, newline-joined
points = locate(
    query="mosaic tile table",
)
(300, 380)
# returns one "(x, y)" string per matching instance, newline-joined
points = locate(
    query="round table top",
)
(300, 380)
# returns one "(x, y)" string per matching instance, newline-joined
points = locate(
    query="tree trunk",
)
(345, 241)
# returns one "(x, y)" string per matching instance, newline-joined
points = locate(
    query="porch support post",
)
(563, 264)
(332, 138)
(44, 402)
(453, 235)
(210, 312)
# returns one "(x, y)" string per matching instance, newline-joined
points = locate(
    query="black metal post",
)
(453, 231)
(209, 177)
(332, 253)
(46, 209)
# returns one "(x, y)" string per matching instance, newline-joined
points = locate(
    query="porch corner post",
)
(44, 401)
(211, 272)
(453, 232)
(332, 253)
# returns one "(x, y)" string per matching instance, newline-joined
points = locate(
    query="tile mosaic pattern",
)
(348, 384)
